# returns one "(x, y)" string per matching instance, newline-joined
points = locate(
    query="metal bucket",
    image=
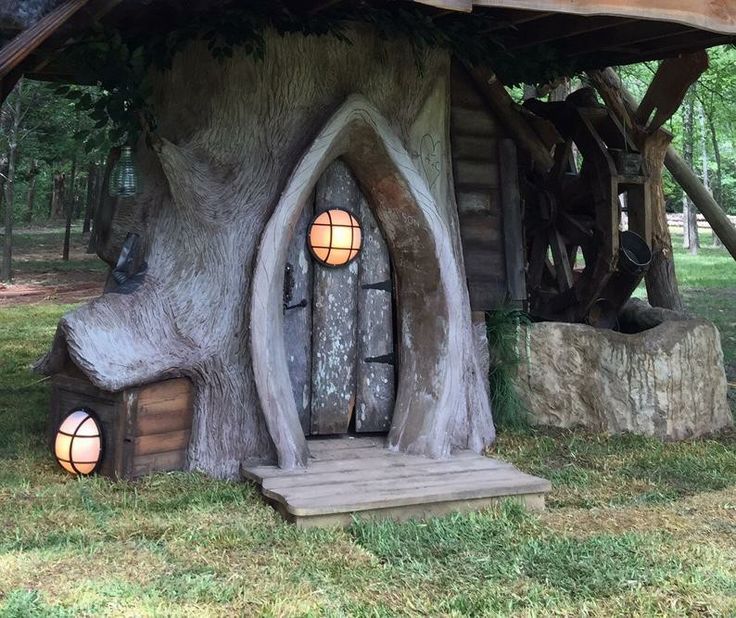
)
(634, 254)
(633, 261)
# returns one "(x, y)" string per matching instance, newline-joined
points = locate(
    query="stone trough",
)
(667, 381)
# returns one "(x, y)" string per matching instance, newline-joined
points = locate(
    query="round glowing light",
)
(78, 446)
(334, 237)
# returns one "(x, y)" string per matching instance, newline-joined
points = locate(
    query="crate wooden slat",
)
(145, 429)
(357, 476)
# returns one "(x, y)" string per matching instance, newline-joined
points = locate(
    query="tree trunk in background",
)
(70, 199)
(560, 92)
(89, 208)
(69, 208)
(661, 278)
(688, 180)
(691, 239)
(32, 179)
(718, 181)
(104, 206)
(704, 162)
(57, 196)
(6, 271)
(67, 233)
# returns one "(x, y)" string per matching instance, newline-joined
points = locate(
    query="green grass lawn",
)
(634, 526)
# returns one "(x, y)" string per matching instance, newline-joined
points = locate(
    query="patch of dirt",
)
(59, 287)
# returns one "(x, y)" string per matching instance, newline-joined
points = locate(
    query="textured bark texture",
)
(242, 145)
(667, 382)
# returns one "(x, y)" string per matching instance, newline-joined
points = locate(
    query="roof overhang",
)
(714, 15)
(586, 34)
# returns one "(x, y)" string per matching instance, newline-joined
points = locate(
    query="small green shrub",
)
(502, 327)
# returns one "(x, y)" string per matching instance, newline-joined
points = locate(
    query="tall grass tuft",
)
(502, 326)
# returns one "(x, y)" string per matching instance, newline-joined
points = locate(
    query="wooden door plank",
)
(298, 316)
(334, 327)
(375, 383)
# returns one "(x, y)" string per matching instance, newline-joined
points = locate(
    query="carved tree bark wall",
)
(231, 135)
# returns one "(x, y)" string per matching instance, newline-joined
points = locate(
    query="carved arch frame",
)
(431, 293)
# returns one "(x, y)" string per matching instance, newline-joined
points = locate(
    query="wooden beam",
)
(626, 36)
(501, 103)
(714, 15)
(465, 6)
(27, 41)
(565, 27)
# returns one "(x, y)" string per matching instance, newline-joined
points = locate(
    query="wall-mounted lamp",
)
(334, 237)
(78, 445)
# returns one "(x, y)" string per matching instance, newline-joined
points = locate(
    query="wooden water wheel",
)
(573, 216)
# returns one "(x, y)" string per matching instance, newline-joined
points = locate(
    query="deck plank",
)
(349, 476)
(260, 472)
(397, 472)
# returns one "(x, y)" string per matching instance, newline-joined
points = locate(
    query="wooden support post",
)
(513, 236)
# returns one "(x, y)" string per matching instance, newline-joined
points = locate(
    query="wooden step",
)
(360, 476)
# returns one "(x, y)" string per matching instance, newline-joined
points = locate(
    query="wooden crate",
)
(145, 429)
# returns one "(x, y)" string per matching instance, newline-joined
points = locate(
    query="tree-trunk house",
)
(225, 339)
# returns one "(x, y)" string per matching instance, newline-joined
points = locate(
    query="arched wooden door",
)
(339, 322)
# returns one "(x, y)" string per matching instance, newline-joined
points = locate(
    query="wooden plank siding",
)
(489, 208)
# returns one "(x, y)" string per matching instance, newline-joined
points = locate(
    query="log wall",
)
(487, 195)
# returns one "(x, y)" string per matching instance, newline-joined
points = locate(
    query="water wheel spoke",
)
(561, 259)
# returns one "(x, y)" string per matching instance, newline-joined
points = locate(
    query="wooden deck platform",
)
(355, 475)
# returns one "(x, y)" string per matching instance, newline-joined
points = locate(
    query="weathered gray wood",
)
(422, 510)
(298, 316)
(475, 148)
(476, 174)
(400, 473)
(476, 122)
(477, 201)
(476, 171)
(325, 445)
(513, 236)
(334, 324)
(391, 491)
(376, 390)
(319, 466)
(389, 484)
